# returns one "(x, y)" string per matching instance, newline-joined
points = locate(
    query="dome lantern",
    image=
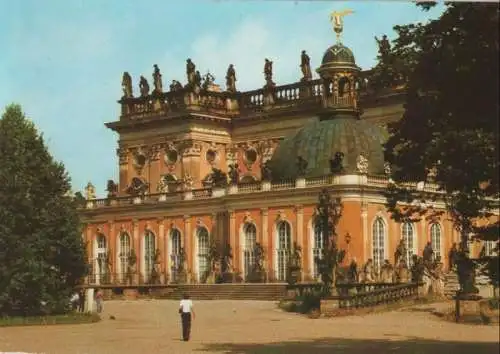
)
(339, 71)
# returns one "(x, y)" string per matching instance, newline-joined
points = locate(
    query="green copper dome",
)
(338, 53)
(319, 141)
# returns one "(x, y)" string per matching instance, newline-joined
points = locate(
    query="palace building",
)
(200, 164)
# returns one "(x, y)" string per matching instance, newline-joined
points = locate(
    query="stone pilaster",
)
(366, 233)
(188, 242)
(299, 211)
(161, 245)
(112, 247)
(137, 245)
(265, 236)
(232, 237)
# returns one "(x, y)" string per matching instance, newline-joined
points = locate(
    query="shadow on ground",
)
(403, 345)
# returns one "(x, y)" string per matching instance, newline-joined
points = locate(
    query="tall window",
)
(436, 239)
(489, 248)
(283, 249)
(203, 248)
(149, 254)
(175, 252)
(317, 250)
(101, 255)
(409, 241)
(248, 248)
(378, 242)
(124, 254)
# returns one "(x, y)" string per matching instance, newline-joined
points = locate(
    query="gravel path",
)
(148, 327)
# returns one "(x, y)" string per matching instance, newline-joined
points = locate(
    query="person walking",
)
(99, 300)
(187, 314)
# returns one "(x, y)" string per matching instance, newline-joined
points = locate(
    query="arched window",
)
(101, 257)
(436, 239)
(175, 252)
(149, 254)
(250, 234)
(202, 248)
(283, 248)
(378, 242)
(123, 254)
(317, 250)
(408, 236)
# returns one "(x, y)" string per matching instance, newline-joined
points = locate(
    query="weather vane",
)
(337, 19)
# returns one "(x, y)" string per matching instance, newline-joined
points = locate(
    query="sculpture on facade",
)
(112, 188)
(208, 80)
(268, 73)
(386, 272)
(428, 253)
(265, 171)
(175, 86)
(337, 20)
(190, 71)
(452, 256)
(157, 80)
(301, 166)
(368, 272)
(197, 79)
(218, 178)
(234, 173)
(402, 272)
(362, 164)
(400, 252)
(417, 269)
(89, 191)
(387, 169)
(143, 86)
(231, 79)
(127, 85)
(305, 66)
(352, 272)
(188, 182)
(336, 164)
(137, 187)
(162, 186)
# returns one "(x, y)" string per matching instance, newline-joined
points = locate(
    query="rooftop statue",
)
(337, 19)
(231, 79)
(89, 191)
(157, 80)
(336, 164)
(268, 72)
(305, 66)
(208, 80)
(190, 71)
(143, 86)
(197, 79)
(362, 164)
(127, 85)
(175, 86)
(301, 166)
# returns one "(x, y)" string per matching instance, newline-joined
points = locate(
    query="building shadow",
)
(401, 345)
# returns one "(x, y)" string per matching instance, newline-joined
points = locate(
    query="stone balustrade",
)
(227, 104)
(354, 180)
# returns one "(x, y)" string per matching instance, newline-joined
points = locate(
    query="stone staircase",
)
(264, 292)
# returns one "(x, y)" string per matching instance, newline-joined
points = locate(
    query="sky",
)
(62, 60)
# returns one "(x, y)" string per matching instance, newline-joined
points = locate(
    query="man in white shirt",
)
(186, 311)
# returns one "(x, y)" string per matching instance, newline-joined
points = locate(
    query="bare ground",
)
(148, 327)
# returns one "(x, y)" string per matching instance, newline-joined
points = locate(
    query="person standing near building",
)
(187, 314)
(99, 300)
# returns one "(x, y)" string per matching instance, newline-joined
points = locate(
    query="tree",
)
(449, 131)
(42, 254)
(327, 217)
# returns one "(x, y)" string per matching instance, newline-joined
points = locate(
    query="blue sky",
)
(62, 60)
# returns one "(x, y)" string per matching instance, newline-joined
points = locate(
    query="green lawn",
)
(71, 318)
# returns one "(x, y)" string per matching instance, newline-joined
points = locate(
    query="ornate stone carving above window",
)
(140, 159)
(247, 217)
(122, 154)
(281, 216)
(171, 155)
(250, 157)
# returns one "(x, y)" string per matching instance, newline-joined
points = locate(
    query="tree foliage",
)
(449, 130)
(42, 255)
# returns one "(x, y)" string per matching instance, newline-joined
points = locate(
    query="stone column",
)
(265, 237)
(112, 249)
(366, 233)
(299, 210)
(424, 237)
(161, 247)
(137, 248)
(232, 238)
(188, 242)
